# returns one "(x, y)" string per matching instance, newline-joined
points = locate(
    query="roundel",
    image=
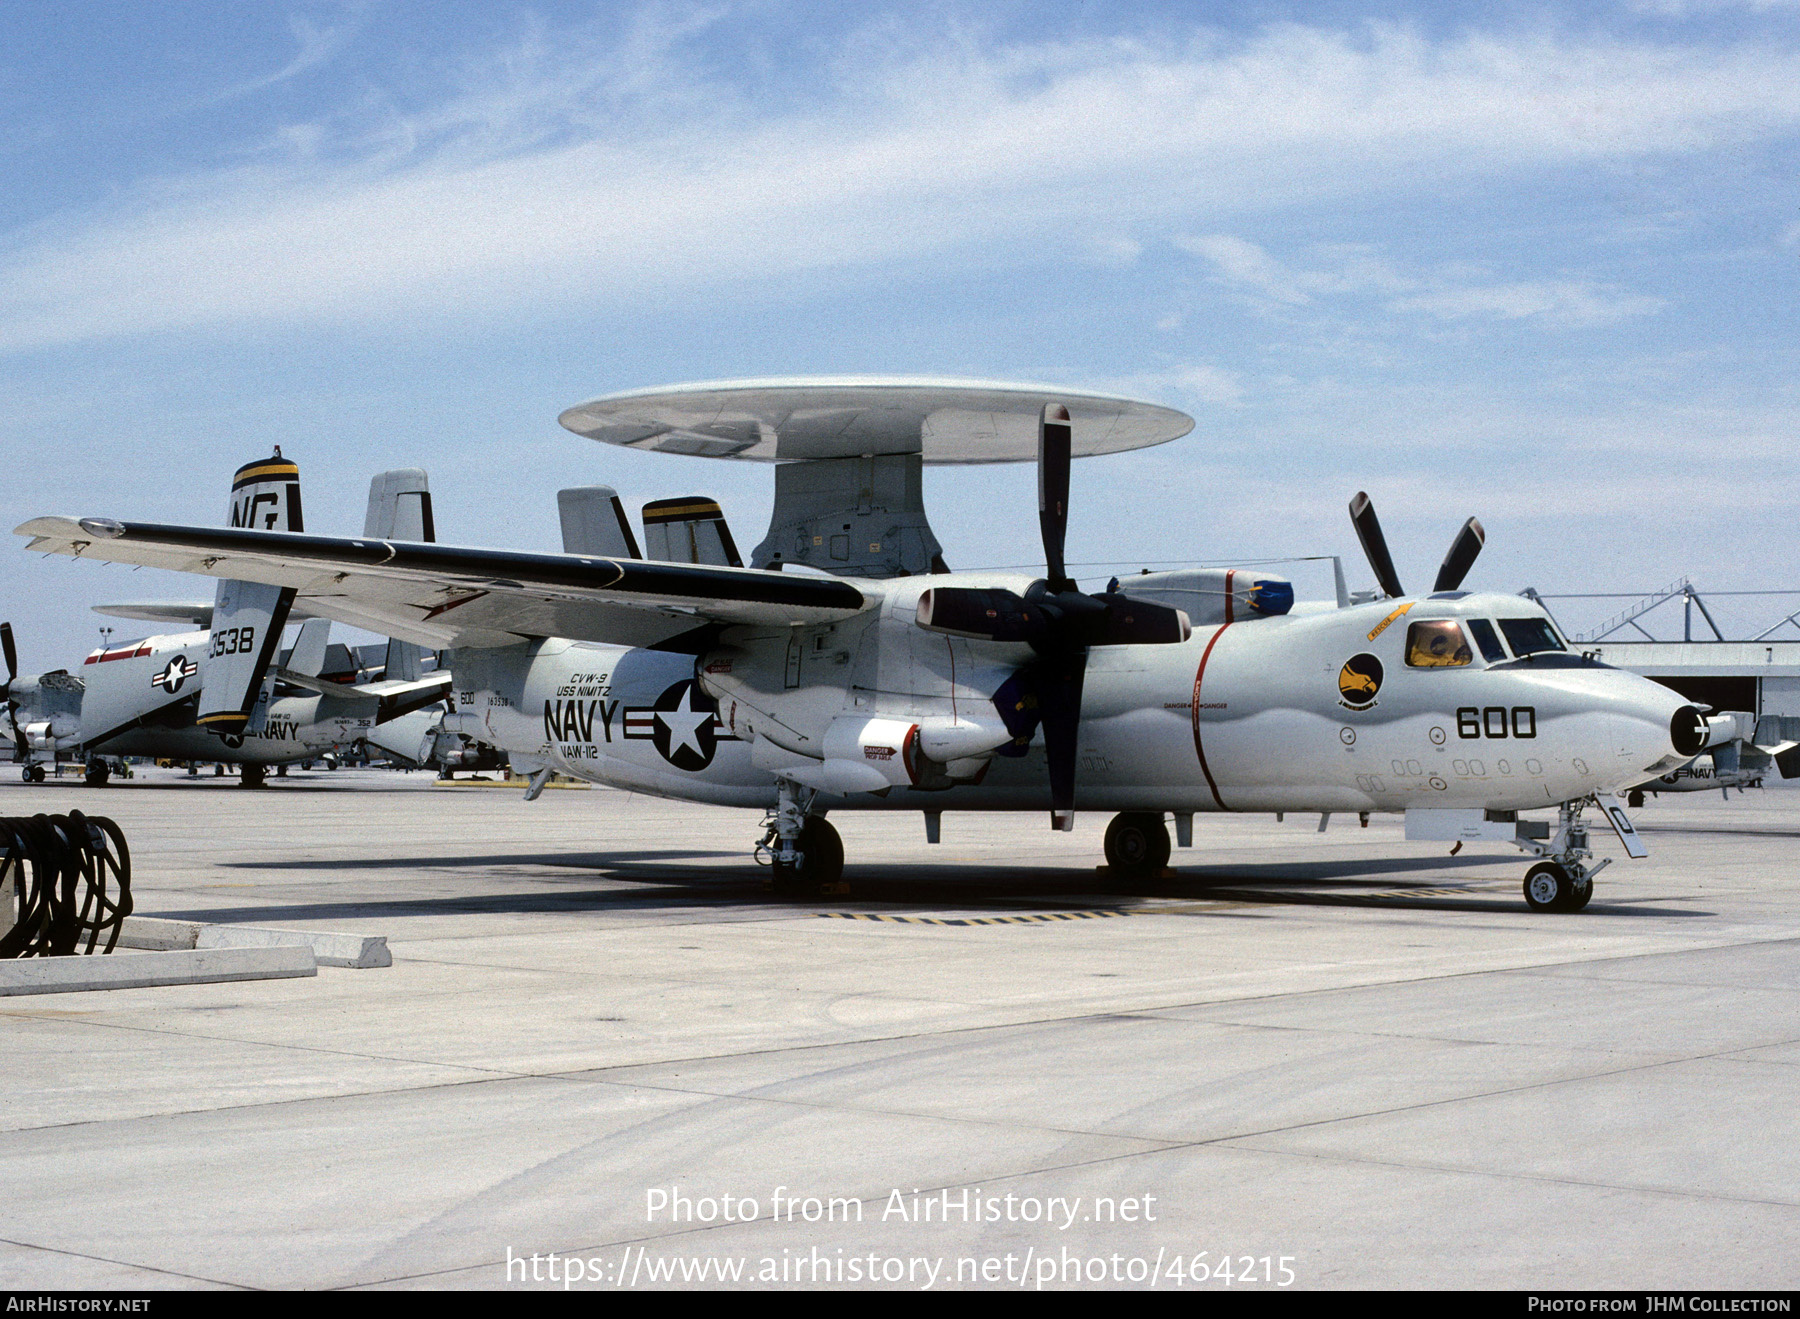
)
(1359, 680)
(686, 726)
(178, 670)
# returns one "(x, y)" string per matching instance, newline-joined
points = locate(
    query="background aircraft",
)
(144, 698)
(847, 668)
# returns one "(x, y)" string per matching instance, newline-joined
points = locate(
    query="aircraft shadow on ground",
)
(562, 860)
(657, 880)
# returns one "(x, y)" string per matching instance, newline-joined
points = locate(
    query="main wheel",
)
(1579, 893)
(1548, 887)
(97, 773)
(1137, 845)
(251, 776)
(821, 862)
(34, 773)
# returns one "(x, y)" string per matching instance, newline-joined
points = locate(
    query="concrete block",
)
(360, 951)
(68, 975)
(353, 950)
(157, 933)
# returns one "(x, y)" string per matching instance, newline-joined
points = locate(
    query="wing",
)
(443, 596)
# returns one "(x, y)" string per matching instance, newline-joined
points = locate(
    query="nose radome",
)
(1687, 731)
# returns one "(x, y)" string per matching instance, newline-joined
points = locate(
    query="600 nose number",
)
(1496, 721)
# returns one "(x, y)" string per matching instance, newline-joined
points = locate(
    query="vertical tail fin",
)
(308, 654)
(248, 617)
(594, 522)
(400, 506)
(400, 509)
(689, 530)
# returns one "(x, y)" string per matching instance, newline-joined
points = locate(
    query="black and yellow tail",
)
(248, 617)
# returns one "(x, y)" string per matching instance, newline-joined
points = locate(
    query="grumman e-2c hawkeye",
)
(887, 682)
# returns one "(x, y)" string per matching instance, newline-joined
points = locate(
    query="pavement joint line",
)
(1176, 1142)
(1721, 1054)
(107, 1259)
(1502, 1175)
(1110, 1012)
(489, 1075)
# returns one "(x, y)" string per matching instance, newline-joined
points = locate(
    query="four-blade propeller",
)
(1057, 620)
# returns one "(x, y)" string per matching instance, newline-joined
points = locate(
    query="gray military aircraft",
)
(144, 698)
(1732, 758)
(848, 668)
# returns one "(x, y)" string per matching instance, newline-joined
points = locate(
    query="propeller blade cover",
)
(1375, 549)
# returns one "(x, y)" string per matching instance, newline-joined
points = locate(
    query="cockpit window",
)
(1488, 639)
(1437, 644)
(1528, 636)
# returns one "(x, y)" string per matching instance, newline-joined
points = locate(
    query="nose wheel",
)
(1549, 886)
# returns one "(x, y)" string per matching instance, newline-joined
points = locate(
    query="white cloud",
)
(1188, 382)
(1566, 302)
(1447, 293)
(559, 177)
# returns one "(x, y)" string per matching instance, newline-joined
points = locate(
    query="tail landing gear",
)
(806, 856)
(1562, 881)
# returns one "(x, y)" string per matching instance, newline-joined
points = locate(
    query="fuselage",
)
(136, 700)
(1354, 709)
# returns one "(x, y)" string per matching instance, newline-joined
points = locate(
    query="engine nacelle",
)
(1211, 596)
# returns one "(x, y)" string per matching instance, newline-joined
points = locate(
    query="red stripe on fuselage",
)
(1199, 676)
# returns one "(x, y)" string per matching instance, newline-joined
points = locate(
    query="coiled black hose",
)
(70, 879)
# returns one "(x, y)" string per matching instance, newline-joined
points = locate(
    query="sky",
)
(1531, 263)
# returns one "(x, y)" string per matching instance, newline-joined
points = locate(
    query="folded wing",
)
(446, 596)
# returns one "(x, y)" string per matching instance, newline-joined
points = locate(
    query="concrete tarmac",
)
(603, 1053)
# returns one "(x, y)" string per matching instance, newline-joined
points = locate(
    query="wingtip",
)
(48, 527)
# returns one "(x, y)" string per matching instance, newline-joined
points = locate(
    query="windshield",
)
(1488, 639)
(1528, 636)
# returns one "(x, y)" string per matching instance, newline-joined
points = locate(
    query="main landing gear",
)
(806, 856)
(32, 773)
(97, 773)
(1563, 880)
(1137, 845)
(250, 776)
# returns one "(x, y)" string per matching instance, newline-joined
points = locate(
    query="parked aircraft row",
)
(142, 698)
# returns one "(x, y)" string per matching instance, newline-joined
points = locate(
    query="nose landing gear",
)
(1563, 880)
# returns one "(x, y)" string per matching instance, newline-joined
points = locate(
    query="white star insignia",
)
(684, 724)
